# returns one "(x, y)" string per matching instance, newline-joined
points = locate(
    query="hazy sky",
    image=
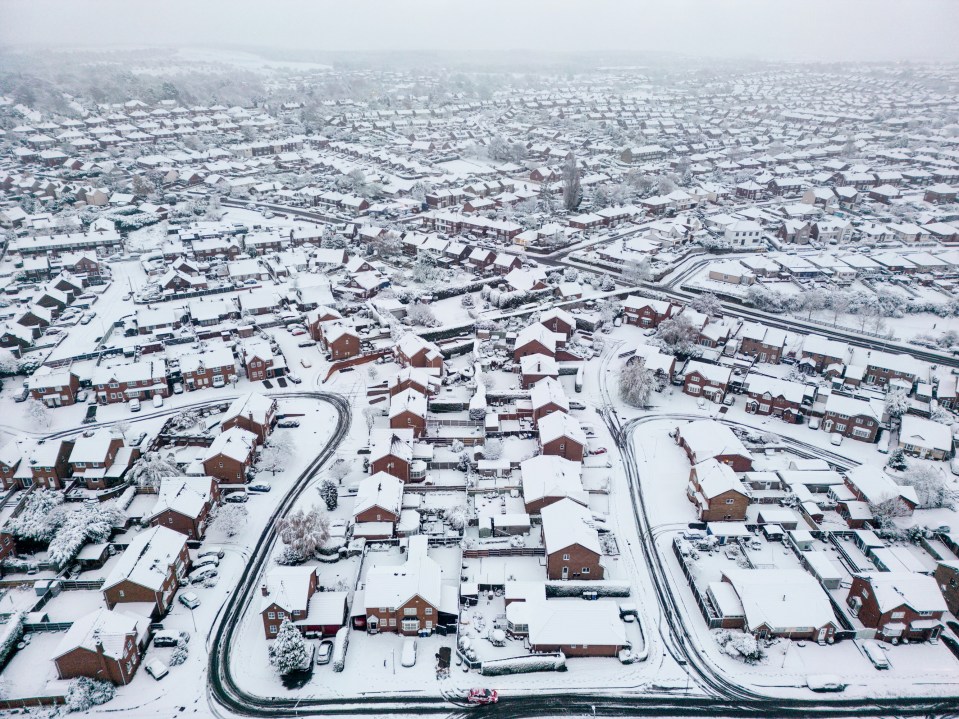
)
(770, 29)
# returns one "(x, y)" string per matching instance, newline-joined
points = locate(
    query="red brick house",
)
(534, 340)
(706, 380)
(408, 598)
(139, 380)
(259, 361)
(851, 417)
(378, 503)
(643, 312)
(252, 412)
(93, 454)
(774, 396)
(572, 545)
(415, 379)
(717, 493)
(55, 389)
(766, 344)
(558, 321)
(316, 319)
(413, 351)
(184, 505)
(286, 593)
(581, 629)
(707, 439)
(231, 455)
(102, 645)
(391, 451)
(561, 435)
(213, 368)
(150, 570)
(547, 396)
(947, 577)
(24, 463)
(408, 411)
(341, 340)
(900, 606)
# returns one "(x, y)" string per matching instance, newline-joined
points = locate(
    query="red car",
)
(598, 450)
(482, 696)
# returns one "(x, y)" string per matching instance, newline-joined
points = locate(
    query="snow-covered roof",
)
(253, 405)
(707, 438)
(781, 599)
(183, 495)
(148, 559)
(548, 391)
(558, 424)
(235, 443)
(91, 448)
(875, 486)
(537, 333)
(775, 387)
(395, 442)
(379, 490)
(392, 586)
(710, 372)
(716, 478)
(921, 432)
(547, 475)
(570, 621)
(893, 589)
(288, 588)
(538, 364)
(106, 627)
(409, 400)
(566, 523)
(852, 407)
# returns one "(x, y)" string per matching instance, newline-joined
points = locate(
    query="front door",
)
(565, 572)
(822, 635)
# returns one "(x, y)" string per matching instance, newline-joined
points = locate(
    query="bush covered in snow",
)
(740, 646)
(38, 520)
(84, 693)
(180, 654)
(340, 643)
(556, 590)
(524, 665)
(10, 634)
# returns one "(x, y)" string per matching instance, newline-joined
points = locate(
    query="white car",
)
(156, 669)
(408, 656)
(190, 600)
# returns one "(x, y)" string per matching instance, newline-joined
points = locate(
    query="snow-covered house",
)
(707, 439)
(572, 544)
(149, 572)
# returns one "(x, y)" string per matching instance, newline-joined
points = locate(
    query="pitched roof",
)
(379, 490)
(288, 588)
(559, 424)
(566, 523)
(918, 591)
(781, 598)
(560, 621)
(148, 558)
(391, 586)
(103, 626)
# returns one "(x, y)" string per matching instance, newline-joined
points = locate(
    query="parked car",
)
(190, 600)
(306, 343)
(825, 683)
(482, 696)
(408, 655)
(177, 388)
(236, 497)
(598, 450)
(211, 552)
(875, 654)
(287, 424)
(297, 331)
(207, 561)
(170, 638)
(294, 378)
(259, 487)
(835, 438)
(158, 400)
(201, 574)
(134, 405)
(325, 652)
(156, 669)
(814, 423)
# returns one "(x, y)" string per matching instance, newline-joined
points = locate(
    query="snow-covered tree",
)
(305, 531)
(636, 383)
(276, 455)
(180, 654)
(84, 693)
(897, 460)
(607, 284)
(229, 518)
(930, 485)
(457, 517)
(493, 448)
(151, 468)
(679, 336)
(340, 469)
(422, 315)
(330, 494)
(740, 646)
(637, 271)
(39, 519)
(707, 303)
(289, 651)
(38, 413)
(572, 190)
(887, 510)
(897, 402)
(8, 363)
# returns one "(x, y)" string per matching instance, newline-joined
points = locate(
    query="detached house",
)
(717, 493)
(408, 411)
(252, 412)
(230, 456)
(184, 505)
(707, 439)
(409, 598)
(900, 606)
(643, 312)
(706, 380)
(377, 507)
(391, 451)
(561, 435)
(149, 571)
(572, 544)
(766, 344)
(413, 351)
(102, 645)
(851, 417)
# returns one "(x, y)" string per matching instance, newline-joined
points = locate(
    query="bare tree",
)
(636, 383)
(305, 532)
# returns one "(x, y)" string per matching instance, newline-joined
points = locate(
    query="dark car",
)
(259, 487)
(287, 424)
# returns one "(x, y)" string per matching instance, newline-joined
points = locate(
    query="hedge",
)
(524, 665)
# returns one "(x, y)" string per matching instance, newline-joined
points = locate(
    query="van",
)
(408, 656)
(134, 405)
(158, 400)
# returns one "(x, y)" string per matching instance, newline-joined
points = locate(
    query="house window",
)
(409, 611)
(898, 615)
(585, 570)
(730, 501)
(411, 625)
(122, 594)
(840, 428)
(280, 615)
(272, 629)
(271, 615)
(565, 557)
(428, 611)
(392, 621)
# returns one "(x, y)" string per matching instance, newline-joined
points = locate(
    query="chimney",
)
(264, 590)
